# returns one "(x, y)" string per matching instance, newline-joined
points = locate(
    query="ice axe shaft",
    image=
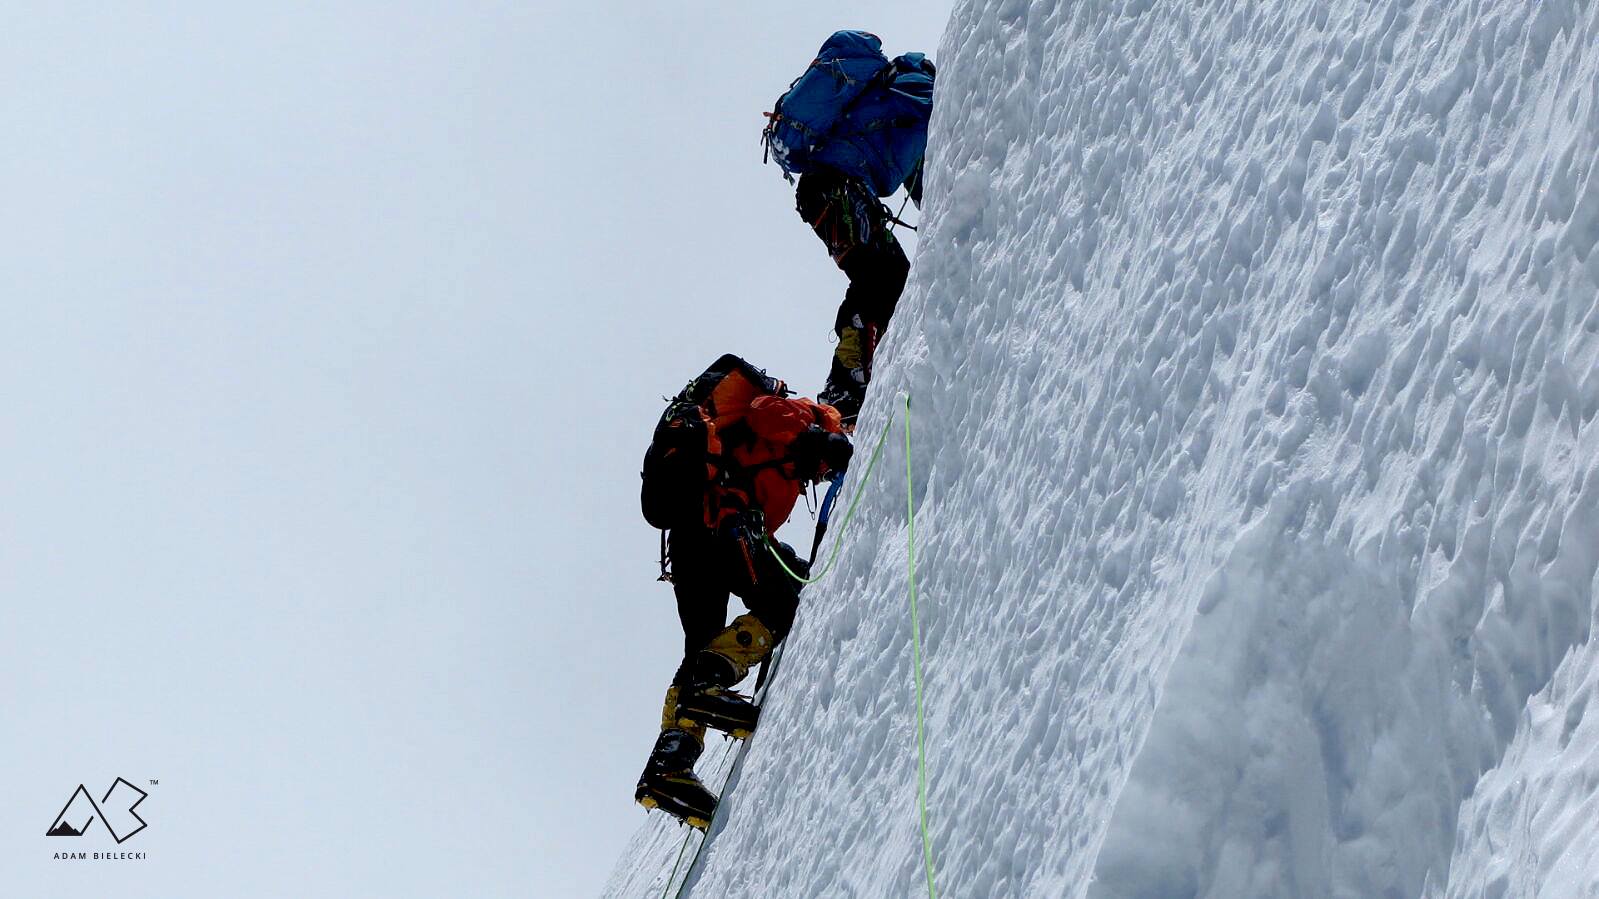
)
(825, 513)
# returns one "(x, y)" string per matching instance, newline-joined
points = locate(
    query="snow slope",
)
(1255, 355)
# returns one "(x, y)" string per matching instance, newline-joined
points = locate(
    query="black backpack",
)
(684, 458)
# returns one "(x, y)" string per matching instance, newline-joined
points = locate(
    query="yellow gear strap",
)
(669, 717)
(848, 352)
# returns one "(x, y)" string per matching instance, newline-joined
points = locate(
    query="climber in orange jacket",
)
(730, 458)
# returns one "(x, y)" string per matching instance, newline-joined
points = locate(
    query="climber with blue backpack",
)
(853, 127)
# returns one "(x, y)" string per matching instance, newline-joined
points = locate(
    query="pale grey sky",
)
(332, 336)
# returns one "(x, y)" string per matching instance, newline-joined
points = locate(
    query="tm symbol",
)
(154, 782)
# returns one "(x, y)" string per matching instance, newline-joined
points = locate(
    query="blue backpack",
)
(856, 112)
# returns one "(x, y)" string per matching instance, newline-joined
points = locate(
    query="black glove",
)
(837, 453)
(815, 448)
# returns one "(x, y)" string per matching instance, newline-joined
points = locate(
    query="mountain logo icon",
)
(120, 801)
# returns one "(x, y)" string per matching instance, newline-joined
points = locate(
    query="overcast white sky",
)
(332, 334)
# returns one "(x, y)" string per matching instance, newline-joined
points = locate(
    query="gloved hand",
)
(837, 453)
(815, 448)
(792, 559)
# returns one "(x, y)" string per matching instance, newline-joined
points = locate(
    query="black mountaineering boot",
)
(845, 395)
(669, 784)
(718, 707)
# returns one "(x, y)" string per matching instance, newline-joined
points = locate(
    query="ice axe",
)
(835, 483)
(823, 514)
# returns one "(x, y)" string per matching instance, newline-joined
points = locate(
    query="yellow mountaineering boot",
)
(709, 701)
(712, 706)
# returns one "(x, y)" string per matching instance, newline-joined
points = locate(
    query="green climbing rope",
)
(855, 501)
(916, 627)
(916, 648)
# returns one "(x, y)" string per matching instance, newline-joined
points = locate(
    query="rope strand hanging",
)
(916, 627)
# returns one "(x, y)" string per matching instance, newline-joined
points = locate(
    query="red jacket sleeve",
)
(776, 421)
(781, 419)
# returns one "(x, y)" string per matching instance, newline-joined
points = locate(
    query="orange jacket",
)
(764, 477)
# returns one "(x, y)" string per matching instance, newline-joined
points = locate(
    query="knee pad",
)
(734, 651)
